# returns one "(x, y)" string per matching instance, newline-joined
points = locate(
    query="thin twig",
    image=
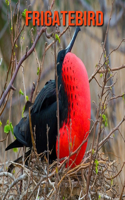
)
(19, 64)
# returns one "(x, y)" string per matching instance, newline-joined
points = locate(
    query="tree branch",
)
(43, 29)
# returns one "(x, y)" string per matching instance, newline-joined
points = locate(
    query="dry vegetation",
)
(101, 173)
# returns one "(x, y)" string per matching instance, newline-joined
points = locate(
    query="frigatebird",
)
(74, 111)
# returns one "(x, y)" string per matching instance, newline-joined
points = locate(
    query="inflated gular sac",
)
(76, 128)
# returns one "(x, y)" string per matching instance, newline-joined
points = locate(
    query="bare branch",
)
(23, 177)
(111, 132)
(19, 64)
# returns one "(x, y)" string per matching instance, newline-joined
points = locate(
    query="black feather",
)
(14, 144)
(43, 113)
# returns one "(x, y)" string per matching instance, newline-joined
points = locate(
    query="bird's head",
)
(63, 53)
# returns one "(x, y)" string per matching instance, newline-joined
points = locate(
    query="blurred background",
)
(88, 48)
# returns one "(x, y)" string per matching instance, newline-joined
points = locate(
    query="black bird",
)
(43, 112)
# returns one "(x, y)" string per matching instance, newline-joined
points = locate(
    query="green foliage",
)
(111, 182)
(23, 110)
(104, 106)
(56, 170)
(96, 166)
(105, 120)
(11, 128)
(101, 75)
(8, 127)
(0, 123)
(16, 45)
(38, 70)
(27, 98)
(93, 151)
(57, 37)
(24, 13)
(70, 144)
(15, 150)
(21, 92)
(7, 2)
(123, 96)
(107, 62)
(22, 37)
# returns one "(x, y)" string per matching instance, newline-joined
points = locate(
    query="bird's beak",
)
(69, 48)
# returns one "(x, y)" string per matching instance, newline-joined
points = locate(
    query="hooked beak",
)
(69, 48)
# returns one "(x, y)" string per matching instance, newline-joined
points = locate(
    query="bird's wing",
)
(46, 118)
(46, 97)
(14, 144)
